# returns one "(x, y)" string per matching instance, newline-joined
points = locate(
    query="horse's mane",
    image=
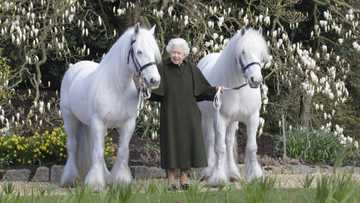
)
(245, 39)
(118, 53)
(254, 40)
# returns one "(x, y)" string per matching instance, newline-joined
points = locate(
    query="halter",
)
(136, 62)
(143, 93)
(243, 68)
(217, 100)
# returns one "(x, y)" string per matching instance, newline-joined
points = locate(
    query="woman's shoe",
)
(185, 186)
(173, 187)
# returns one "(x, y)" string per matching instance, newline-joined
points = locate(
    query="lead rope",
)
(143, 94)
(217, 98)
(217, 104)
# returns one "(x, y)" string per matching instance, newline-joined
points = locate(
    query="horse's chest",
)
(117, 110)
(238, 105)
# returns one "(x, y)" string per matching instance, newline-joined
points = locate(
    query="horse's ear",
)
(260, 30)
(137, 28)
(152, 30)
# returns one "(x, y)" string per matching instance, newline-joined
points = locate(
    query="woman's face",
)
(177, 56)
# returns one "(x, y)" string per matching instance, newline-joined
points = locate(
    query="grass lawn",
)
(291, 195)
(326, 189)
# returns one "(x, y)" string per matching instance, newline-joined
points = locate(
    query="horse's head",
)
(252, 54)
(144, 54)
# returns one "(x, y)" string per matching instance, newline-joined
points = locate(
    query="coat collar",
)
(169, 62)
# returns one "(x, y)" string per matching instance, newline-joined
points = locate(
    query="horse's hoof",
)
(67, 185)
(67, 182)
(97, 188)
(215, 181)
(233, 179)
(204, 178)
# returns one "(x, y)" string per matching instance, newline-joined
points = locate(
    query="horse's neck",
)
(226, 71)
(113, 71)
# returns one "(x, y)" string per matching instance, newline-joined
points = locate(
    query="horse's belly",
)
(80, 104)
(80, 100)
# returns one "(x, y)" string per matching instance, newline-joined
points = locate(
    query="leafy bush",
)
(5, 91)
(40, 149)
(315, 146)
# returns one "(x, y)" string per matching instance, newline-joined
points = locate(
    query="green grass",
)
(277, 196)
(335, 188)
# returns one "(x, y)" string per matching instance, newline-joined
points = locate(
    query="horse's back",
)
(207, 62)
(76, 71)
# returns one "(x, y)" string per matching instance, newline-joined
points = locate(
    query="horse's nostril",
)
(152, 81)
(252, 79)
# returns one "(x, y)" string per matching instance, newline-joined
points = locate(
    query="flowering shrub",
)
(314, 47)
(21, 115)
(148, 122)
(318, 146)
(5, 90)
(40, 149)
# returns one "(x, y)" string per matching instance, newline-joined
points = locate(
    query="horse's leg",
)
(121, 173)
(71, 125)
(252, 167)
(232, 169)
(209, 138)
(84, 152)
(96, 175)
(218, 175)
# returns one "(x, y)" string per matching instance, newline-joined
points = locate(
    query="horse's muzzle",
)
(152, 83)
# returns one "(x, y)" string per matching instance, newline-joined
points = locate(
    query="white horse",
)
(95, 97)
(237, 67)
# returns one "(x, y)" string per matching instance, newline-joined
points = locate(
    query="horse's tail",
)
(65, 86)
(83, 153)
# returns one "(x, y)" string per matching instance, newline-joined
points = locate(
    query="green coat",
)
(181, 139)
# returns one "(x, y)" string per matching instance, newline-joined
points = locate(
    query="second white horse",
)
(238, 64)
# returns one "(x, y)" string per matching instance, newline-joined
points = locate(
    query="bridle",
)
(217, 100)
(139, 68)
(243, 68)
(143, 92)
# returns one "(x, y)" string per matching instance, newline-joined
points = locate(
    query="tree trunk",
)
(305, 110)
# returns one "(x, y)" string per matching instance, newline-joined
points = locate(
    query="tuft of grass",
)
(309, 179)
(80, 194)
(120, 193)
(153, 188)
(194, 193)
(8, 188)
(335, 188)
(257, 190)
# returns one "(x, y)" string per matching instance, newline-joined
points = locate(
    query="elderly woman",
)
(182, 85)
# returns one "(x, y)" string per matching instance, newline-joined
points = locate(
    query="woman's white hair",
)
(179, 43)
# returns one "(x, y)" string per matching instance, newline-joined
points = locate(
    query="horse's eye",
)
(139, 52)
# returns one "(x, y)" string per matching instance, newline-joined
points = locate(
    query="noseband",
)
(138, 66)
(245, 67)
